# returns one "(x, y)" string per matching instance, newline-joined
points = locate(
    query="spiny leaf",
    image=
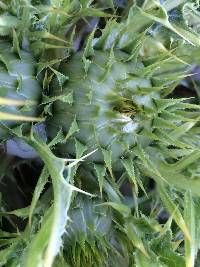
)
(186, 161)
(16, 48)
(80, 149)
(38, 245)
(61, 77)
(162, 246)
(93, 12)
(135, 238)
(159, 14)
(23, 212)
(182, 129)
(161, 123)
(169, 139)
(139, 152)
(173, 178)
(47, 35)
(100, 171)
(59, 138)
(162, 104)
(88, 51)
(43, 179)
(73, 129)
(128, 165)
(43, 65)
(111, 192)
(108, 160)
(64, 98)
(143, 261)
(48, 239)
(174, 211)
(123, 209)
(189, 217)
(7, 253)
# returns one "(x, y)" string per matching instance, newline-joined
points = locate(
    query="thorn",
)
(81, 159)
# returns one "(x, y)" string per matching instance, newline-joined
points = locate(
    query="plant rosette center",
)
(109, 104)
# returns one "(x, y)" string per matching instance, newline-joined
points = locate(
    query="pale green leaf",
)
(7, 24)
(189, 217)
(43, 179)
(174, 211)
(108, 160)
(72, 130)
(128, 165)
(121, 208)
(64, 98)
(100, 171)
(135, 238)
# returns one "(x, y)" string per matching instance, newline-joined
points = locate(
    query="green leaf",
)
(186, 161)
(108, 160)
(135, 238)
(7, 253)
(148, 163)
(191, 247)
(169, 139)
(7, 24)
(128, 165)
(163, 104)
(59, 138)
(3, 6)
(121, 208)
(64, 98)
(23, 212)
(174, 211)
(162, 246)
(43, 179)
(16, 48)
(72, 130)
(100, 171)
(93, 12)
(143, 261)
(80, 149)
(136, 47)
(113, 196)
(61, 78)
(88, 51)
(43, 65)
(172, 178)
(182, 129)
(161, 123)
(46, 244)
(39, 243)
(157, 13)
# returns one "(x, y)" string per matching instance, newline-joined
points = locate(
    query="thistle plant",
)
(116, 103)
(111, 105)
